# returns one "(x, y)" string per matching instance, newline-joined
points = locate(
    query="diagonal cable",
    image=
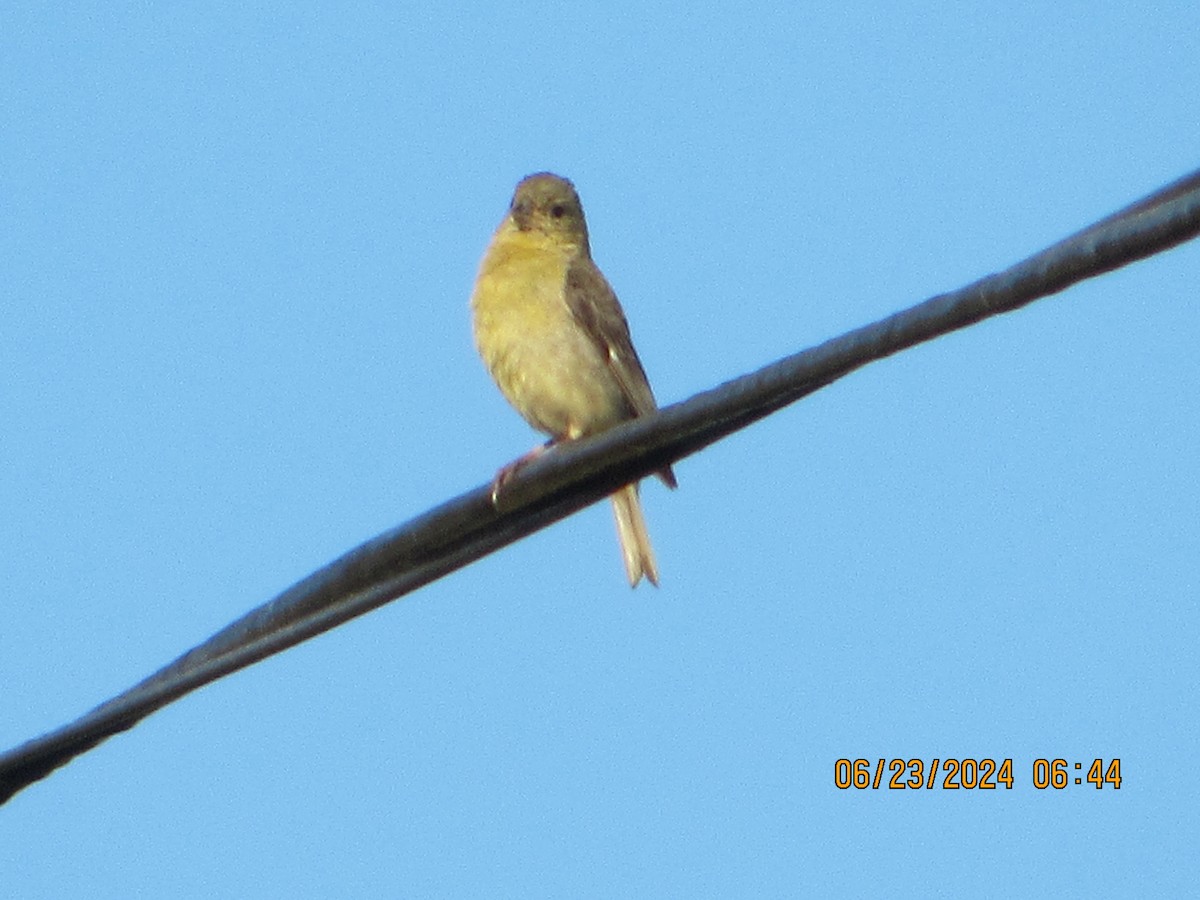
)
(575, 475)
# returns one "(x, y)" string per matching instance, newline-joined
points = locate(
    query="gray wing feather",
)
(595, 306)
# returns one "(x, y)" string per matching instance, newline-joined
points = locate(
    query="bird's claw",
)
(506, 474)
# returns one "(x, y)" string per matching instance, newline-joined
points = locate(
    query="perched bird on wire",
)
(554, 338)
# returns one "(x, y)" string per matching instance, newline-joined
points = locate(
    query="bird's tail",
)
(635, 540)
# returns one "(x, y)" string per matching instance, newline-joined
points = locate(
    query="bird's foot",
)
(506, 474)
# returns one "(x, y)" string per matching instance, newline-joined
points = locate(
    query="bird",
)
(555, 340)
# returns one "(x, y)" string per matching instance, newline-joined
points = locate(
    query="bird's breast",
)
(550, 370)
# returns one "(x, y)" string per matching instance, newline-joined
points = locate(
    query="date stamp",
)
(969, 774)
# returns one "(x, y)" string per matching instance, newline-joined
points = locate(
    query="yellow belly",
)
(550, 370)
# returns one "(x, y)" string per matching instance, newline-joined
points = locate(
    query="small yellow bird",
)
(554, 337)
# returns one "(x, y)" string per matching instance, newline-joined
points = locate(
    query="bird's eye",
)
(558, 211)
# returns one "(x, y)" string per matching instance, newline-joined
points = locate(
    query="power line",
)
(577, 474)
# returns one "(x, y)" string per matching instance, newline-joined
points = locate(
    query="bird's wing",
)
(595, 306)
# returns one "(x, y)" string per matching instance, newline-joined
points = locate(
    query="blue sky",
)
(238, 242)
